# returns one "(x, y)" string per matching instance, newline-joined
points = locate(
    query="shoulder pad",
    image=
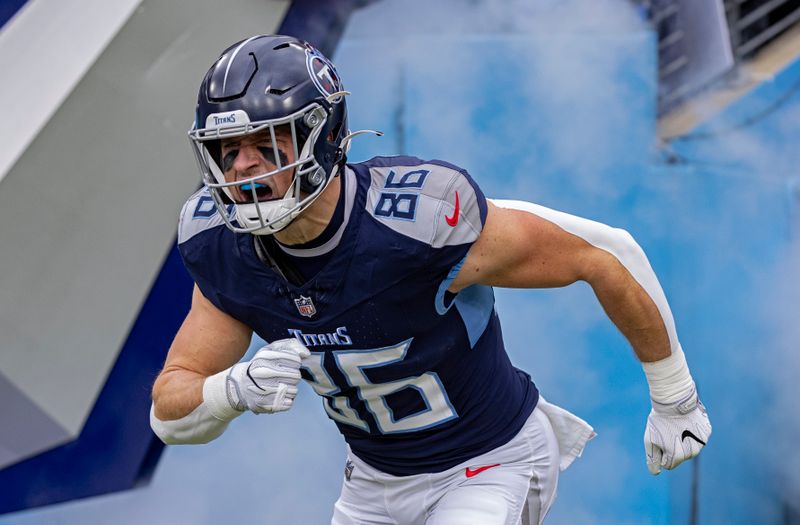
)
(430, 201)
(199, 214)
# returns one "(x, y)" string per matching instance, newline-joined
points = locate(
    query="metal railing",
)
(752, 24)
(673, 58)
(665, 16)
(755, 23)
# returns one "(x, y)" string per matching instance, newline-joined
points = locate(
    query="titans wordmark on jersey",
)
(416, 379)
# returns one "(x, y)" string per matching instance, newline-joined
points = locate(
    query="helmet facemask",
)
(241, 203)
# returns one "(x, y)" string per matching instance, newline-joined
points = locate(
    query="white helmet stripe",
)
(233, 57)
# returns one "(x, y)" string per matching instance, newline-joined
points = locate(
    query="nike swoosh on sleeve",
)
(452, 221)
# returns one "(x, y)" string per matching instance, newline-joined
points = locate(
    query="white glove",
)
(268, 382)
(675, 433)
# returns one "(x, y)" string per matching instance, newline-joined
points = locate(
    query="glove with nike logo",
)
(265, 384)
(675, 432)
(677, 427)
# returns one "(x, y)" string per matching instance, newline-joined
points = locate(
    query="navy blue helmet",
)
(270, 84)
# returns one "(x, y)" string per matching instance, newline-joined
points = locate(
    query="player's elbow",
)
(625, 247)
(197, 428)
(616, 250)
(167, 431)
(159, 428)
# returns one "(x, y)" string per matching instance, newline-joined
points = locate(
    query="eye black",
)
(266, 151)
(269, 155)
(227, 160)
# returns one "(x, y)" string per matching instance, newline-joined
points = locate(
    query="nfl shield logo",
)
(305, 306)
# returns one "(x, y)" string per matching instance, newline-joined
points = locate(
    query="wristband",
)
(669, 378)
(203, 424)
(218, 397)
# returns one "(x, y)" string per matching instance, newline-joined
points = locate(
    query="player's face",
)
(252, 155)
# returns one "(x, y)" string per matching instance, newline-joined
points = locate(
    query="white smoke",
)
(527, 96)
(748, 293)
(778, 365)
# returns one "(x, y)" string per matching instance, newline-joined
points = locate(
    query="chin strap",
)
(271, 256)
(345, 145)
(333, 98)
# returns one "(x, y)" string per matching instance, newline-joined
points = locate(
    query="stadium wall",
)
(92, 181)
(92, 290)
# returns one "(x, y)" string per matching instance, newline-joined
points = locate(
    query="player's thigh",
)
(544, 481)
(350, 514)
(360, 503)
(495, 499)
(520, 489)
(365, 496)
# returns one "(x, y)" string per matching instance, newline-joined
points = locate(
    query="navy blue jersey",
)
(416, 379)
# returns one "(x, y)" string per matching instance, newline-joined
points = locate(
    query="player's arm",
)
(203, 386)
(522, 249)
(528, 246)
(209, 341)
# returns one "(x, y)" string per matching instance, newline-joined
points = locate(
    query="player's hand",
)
(675, 433)
(268, 382)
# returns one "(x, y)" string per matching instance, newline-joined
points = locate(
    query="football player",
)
(373, 283)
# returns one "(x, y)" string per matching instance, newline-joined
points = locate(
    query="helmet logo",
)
(238, 117)
(322, 73)
(229, 119)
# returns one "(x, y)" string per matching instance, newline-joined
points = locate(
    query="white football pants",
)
(517, 488)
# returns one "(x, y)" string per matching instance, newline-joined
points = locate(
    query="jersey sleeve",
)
(460, 211)
(459, 222)
(199, 227)
(433, 202)
(198, 215)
